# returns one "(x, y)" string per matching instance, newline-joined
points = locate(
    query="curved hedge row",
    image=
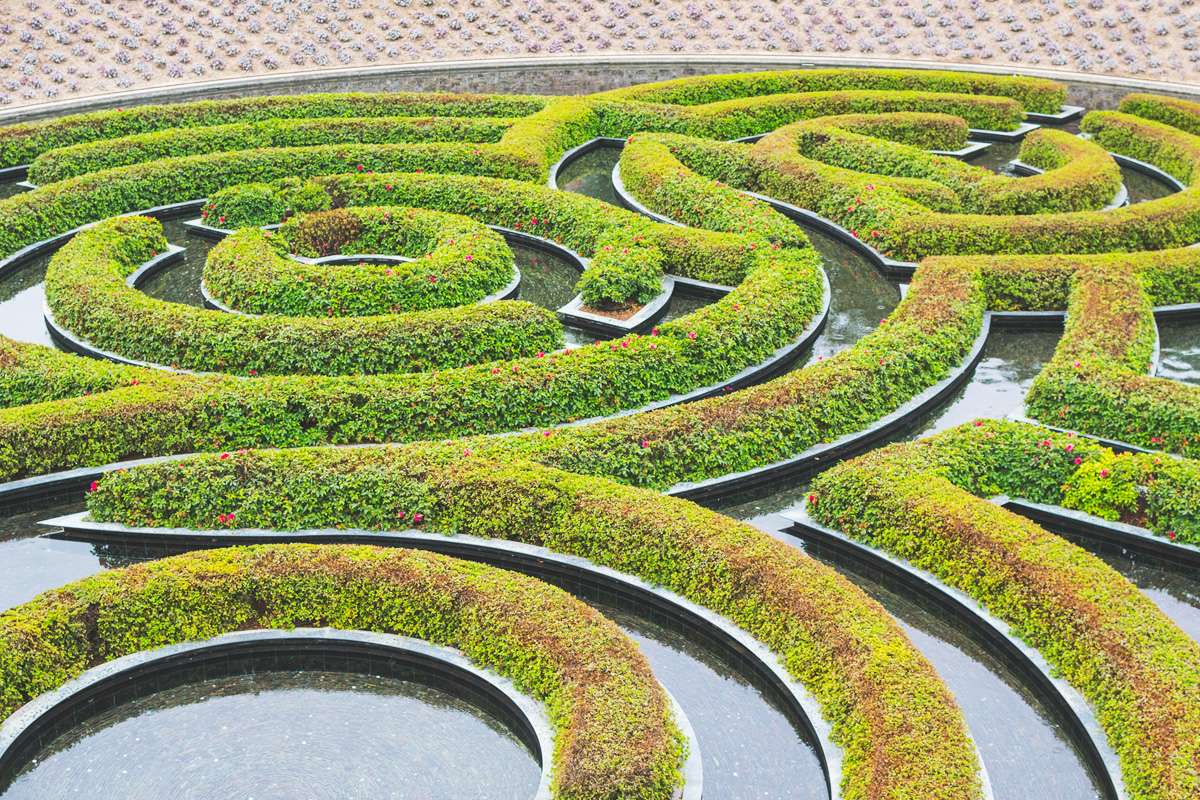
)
(750, 116)
(1036, 94)
(614, 732)
(456, 261)
(1164, 146)
(1096, 381)
(1079, 175)
(900, 729)
(22, 143)
(69, 162)
(778, 294)
(1172, 111)
(87, 292)
(40, 214)
(1172, 221)
(657, 179)
(1110, 641)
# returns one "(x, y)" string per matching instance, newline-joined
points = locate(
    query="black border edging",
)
(1072, 524)
(819, 456)
(124, 679)
(1007, 137)
(576, 575)
(890, 268)
(31, 251)
(970, 151)
(1069, 705)
(18, 172)
(1066, 113)
(575, 153)
(1149, 170)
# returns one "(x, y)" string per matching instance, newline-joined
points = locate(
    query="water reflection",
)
(1179, 358)
(750, 747)
(287, 734)
(591, 175)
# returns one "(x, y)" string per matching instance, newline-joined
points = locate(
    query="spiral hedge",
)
(479, 406)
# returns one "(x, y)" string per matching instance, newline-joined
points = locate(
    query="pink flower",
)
(1079, 461)
(691, 335)
(93, 486)
(417, 518)
(645, 443)
(978, 424)
(1171, 535)
(1069, 448)
(1103, 473)
(221, 517)
(654, 332)
(224, 456)
(470, 258)
(1077, 363)
(812, 498)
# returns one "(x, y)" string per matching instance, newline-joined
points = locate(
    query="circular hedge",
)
(614, 729)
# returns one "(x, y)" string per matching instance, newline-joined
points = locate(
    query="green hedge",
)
(31, 373)
(900, 730)
(86, 290)
(653, 174)
(778, 294)
(1172, 111)
(629, 252)
(21, 144)
(1097, 381)
(457, 261)
(748, 116)
(69, 162)
(1174, 152)
(1172, 221)
(33, 216)
(1036, 94)
(614, 732)
(1111, 642)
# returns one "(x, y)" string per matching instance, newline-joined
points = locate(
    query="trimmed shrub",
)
(86, 290)
(1036, 94)
(883, 700)
(1111, 642)
(21, 144)
(614, 732)
(80, 159)
(60, 207)
(457, 261)
(748, 116)
(1172, 111)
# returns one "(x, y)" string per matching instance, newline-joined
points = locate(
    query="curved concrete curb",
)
(101, 688)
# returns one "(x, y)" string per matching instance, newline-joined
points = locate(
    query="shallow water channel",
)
(281, 734)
